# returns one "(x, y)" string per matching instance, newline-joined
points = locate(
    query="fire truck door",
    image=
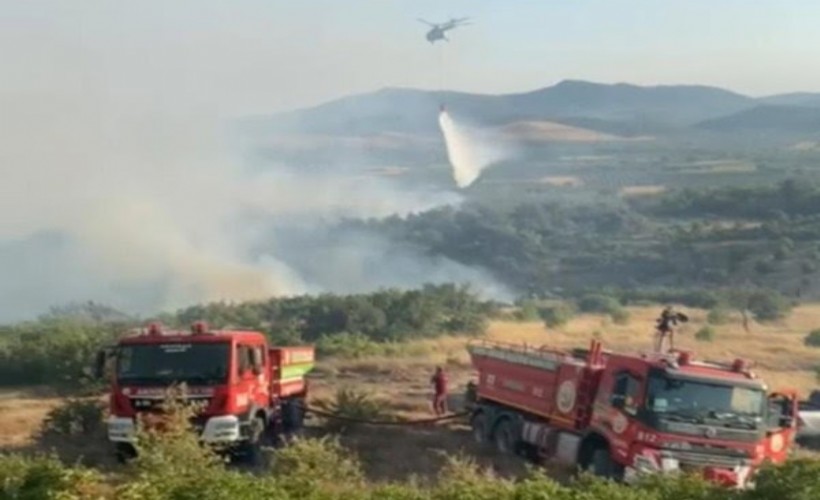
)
(782, 424)
(245, 376)
(620, 402)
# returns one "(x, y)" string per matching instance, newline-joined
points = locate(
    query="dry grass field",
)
(21, 413)
(644, 190)
(401, 383)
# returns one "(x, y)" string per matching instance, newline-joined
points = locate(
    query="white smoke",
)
(470, 150)
(119, 184)
(148, 208)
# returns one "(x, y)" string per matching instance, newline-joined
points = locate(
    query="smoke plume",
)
(123, 181)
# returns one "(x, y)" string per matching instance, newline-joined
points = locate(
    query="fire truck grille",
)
(155, 405)
(697, 460)
(719, 432)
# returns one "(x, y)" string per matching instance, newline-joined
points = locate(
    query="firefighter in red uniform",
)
(439, 382)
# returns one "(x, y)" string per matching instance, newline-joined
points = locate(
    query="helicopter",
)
(437, 30)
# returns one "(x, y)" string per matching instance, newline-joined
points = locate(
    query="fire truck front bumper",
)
(727, 472)
(224, 429)
(221, 430)
(121, 429)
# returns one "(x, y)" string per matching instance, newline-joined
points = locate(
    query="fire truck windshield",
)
(164, 364)
(695, 401)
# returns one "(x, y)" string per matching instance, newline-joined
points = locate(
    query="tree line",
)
(741, 237)
(58, 348)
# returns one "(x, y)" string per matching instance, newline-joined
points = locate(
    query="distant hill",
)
(673, 105)
(617, 109)
(780, 120)
(803, 99)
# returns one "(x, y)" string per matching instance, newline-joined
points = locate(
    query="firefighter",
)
(665, 323)
(439, 383)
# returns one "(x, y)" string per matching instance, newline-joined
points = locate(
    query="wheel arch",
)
(589, 443)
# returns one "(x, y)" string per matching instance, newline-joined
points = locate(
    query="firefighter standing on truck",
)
(665, 324)
(439, 382)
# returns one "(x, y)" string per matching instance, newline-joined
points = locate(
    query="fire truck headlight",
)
(669, 464)
(120, 429)
(645, 463)
(221, 429)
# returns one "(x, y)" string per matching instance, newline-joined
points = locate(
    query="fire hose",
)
(345, 418)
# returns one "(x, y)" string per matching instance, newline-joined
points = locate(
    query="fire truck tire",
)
(479, 425)
(602, 465)
(124, 452)
(504, 437)
(253, 447)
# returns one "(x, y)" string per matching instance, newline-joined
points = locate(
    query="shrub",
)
(717, 316)
(768, 305)
(557, 315)
(620, 316)
(46, 477)
(75, 417)
(705, 334)
(309, 465)
(351, 405)
(812, 339)
(347, 345)
(57, 352)
(598, 304)
(527, 311)
(323, 469)
(462, 478)
(798, 479)
(171, 463)
(172, 445)
(216, 484)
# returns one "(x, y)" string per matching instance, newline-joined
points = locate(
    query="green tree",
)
(557, 315)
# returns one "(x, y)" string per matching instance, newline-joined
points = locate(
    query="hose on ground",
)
(344, 418)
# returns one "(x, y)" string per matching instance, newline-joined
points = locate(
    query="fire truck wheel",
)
(124, 452)
(479, 424)
(602, 465)
(504, 437)
(253, 448)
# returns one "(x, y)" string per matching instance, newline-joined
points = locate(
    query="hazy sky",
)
(244, 56)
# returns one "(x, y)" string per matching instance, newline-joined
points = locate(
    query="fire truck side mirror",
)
(783, 410)
(99, 364)
(257, 362)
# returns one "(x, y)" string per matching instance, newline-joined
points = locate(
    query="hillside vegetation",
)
(58, 348)
(319, 470)
(756, 239)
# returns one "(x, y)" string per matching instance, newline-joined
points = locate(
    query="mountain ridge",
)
(621, 109)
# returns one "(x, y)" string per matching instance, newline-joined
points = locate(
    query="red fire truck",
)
(622, 415)
(248, 390)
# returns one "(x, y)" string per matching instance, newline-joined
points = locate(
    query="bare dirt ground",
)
(21, 414)
(401, 384)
